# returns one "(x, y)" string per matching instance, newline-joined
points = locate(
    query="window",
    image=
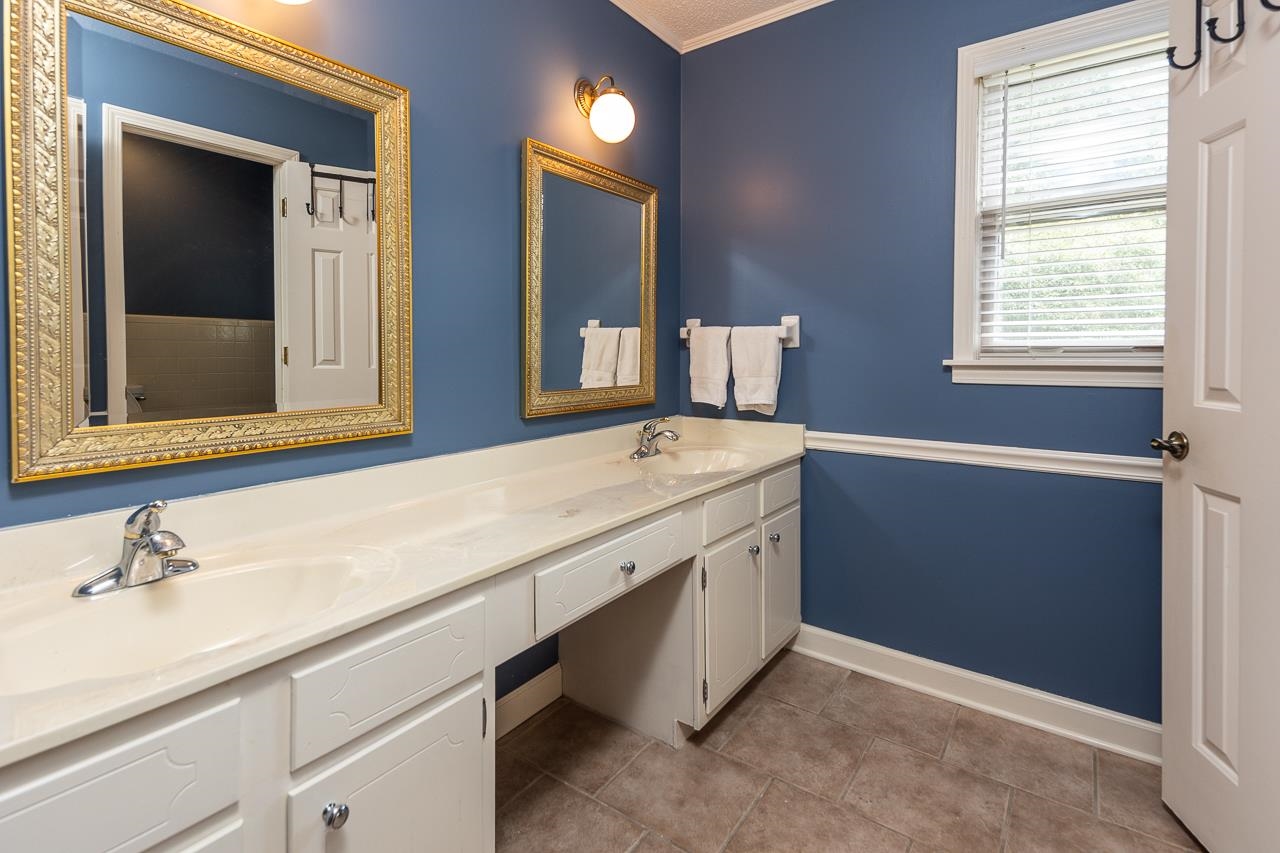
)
(1061, 175)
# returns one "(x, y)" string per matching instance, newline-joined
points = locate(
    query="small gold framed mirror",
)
(590, 280)
(209, 243)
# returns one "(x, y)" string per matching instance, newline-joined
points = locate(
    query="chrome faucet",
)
(149, 554)
(649, 436)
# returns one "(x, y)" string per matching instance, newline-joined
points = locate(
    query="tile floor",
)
(810, 757)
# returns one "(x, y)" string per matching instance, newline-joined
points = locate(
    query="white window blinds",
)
(1072, 203)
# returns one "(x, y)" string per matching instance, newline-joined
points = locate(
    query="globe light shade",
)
(612, 116)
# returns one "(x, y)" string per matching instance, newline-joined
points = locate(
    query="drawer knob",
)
(335, 815)
(628, 568)
(775, 537)
(754, 550)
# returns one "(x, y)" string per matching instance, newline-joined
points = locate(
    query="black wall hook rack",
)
(1212, 26)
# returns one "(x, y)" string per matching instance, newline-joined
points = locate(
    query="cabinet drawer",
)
(727, 513)
(778, 490)
(576, 587)
(133, 796)
(347, 695)
(228, 839)
(421, 787)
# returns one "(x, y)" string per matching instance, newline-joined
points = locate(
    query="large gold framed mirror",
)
(590, 281)
(209, 240)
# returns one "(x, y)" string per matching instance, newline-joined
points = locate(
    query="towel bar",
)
(788, 330)
(591, 324)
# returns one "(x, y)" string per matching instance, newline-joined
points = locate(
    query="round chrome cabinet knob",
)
(628, 568)
(335, 815)
(754, 550)
(775, 538)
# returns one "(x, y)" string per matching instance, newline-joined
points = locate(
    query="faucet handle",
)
(165, 543)
(144, 520)
(652, 426)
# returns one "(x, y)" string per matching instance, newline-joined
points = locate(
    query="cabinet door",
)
(733, 623)
(780, 611)
(420, 787)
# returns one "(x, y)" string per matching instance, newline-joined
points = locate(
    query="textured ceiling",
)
(689, 24)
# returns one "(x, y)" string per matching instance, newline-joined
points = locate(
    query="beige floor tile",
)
(801, 681)
(716, 733)
(693, 796)
(1039, 762)
(1129, 794)
(654, 843)
(1038, 825)
(933, 802)
(578, 746)
(514, 775)
(892, 712)
(550, 817)
(789, 819)
(804, 749)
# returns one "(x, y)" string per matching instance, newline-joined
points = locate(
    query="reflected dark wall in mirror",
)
(590, 271)
(198, 227)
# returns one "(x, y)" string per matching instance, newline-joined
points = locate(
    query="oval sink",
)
(48, 643)
(695, 460)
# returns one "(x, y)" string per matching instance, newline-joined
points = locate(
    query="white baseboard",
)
(528, 699)
(1079, 721)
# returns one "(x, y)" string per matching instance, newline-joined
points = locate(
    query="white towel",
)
(757, 368)
(709, 364)
(629, 356)
(600, 357)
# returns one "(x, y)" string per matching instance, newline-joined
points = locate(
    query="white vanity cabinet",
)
(382, 738)
(751, 589)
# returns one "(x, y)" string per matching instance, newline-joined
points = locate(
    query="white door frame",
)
(116, 121)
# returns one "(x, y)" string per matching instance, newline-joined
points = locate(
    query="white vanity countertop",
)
(418, 530)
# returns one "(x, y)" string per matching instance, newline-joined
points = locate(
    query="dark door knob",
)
(1176, 445)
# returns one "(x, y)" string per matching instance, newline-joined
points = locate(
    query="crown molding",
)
(785, 10)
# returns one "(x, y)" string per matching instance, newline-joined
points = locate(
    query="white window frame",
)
(1137, 19)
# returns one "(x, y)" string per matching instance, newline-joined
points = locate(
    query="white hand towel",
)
(629, 356)
(600, 357)
(709, 364)
(757, 368)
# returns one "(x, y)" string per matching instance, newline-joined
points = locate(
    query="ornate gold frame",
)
(46, 443)
(539, 158)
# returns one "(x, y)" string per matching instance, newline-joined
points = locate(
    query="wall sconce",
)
(606, 107)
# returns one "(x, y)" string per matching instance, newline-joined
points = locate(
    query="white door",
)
(419, 788)
(780, 581)
(733, 623)
(1222, 501)
(328, 316)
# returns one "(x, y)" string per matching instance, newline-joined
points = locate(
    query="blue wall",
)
(815, 184)
(590, 270)
(484, 75)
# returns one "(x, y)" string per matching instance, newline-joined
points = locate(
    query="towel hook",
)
(1169, 52)
(1212, 24)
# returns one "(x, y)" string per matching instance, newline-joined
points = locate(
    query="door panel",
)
(781, 581)
(1221, 745)
(733, 624)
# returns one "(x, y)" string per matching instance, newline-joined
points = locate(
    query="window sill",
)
(1077, 372)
